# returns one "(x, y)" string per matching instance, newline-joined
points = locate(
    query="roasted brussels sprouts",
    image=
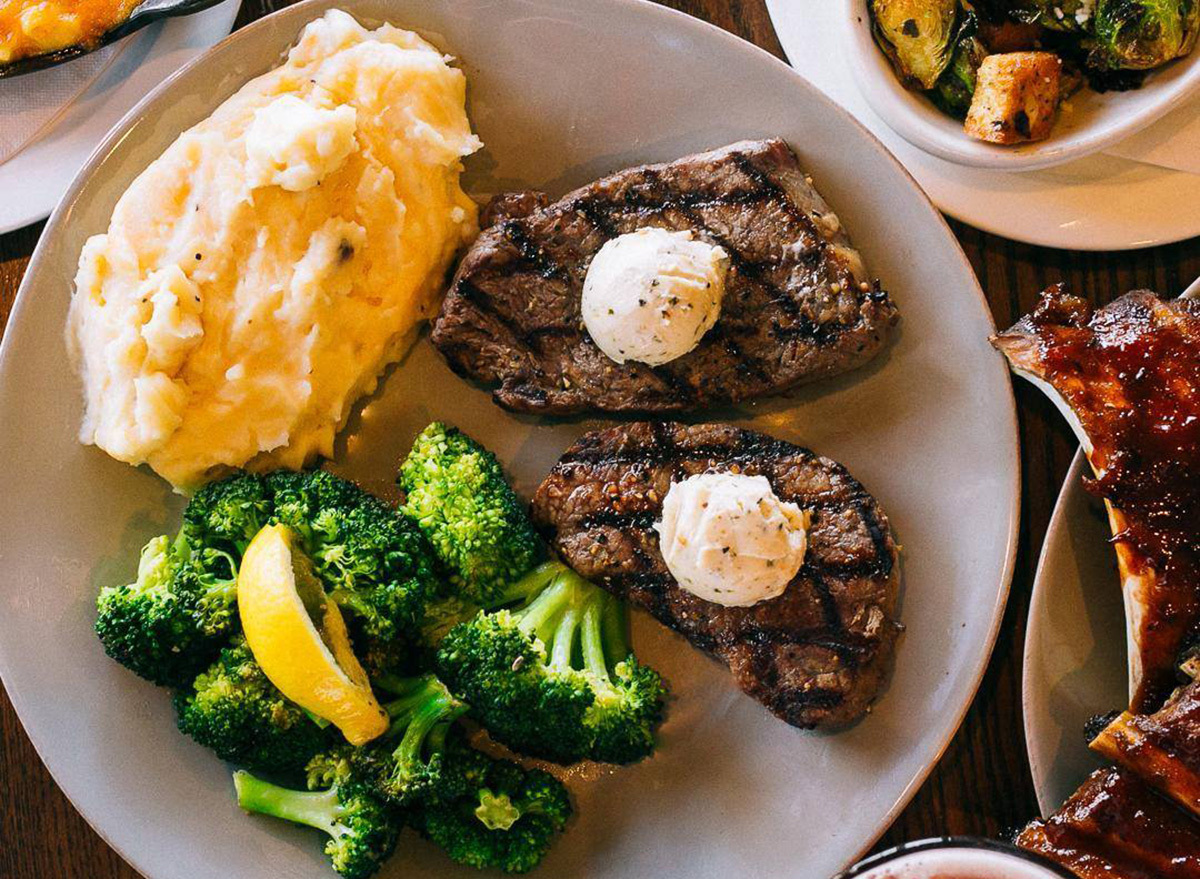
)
(918, 36)
(956, 86)
(1143, 34)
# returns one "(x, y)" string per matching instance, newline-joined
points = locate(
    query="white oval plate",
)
(33, 180)
(1096, 203)
(560, 91)
(1075, 658)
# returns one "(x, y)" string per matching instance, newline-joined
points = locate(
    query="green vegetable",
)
(227, 514)
(1072, 16)
(371, 559)
(170, 624)
(172, 620)
(555, 678)
(955, 88)
(236, 711)
(483, 811)
(362, 828)
(507, 820)
(413, 768)
(917, 35)
(1143, 34)
(456, 491)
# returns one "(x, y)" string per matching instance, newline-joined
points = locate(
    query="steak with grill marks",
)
(816, 655)
(798, 303)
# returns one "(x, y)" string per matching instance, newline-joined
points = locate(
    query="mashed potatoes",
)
(258, 276)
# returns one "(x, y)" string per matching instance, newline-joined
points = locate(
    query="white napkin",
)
(1172, 142)
(30, 105)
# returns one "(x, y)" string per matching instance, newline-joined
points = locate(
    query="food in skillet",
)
(320, 637)
(1004, 66)
(1128, 377)
(38, 27)
(719, 277)
(770, 557)
(257, 278)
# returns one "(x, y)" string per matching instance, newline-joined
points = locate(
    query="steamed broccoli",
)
(170, 622)
(363, 829)
(456, 491)
(373, 562)
(236, 711)
(169, 625)
(506, 818)
(227, 514)
(555, 678)
(407, 763)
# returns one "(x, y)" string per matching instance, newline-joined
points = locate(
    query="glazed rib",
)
(1162, 748)
(1116, 827)
(1128, 374)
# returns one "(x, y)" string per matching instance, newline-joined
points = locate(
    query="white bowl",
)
(1088, 123)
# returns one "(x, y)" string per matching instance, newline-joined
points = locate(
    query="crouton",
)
(1016, 97)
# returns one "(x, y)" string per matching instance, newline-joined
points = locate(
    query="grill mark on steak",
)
(531, 253)
(793, 309)
(815, 655)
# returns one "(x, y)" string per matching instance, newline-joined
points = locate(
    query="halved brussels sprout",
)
(1143, 34)
(917, 35)
(955, 88)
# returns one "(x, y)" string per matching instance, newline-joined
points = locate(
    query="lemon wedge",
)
(299, 638)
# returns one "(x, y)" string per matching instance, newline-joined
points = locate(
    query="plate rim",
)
(1033, 627)
(61, 216)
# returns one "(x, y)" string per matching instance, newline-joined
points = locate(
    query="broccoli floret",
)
(507, 819)
(407, 763)
(227, 514)
(456, 491)
(555, 678)
(170, 622)
(363, 829)
(236, 711)
(443, 614)
(169, 625)
(373, 561)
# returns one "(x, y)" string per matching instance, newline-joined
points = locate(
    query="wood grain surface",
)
(981, 786)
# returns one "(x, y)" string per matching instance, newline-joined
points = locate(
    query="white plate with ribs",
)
(561, 92)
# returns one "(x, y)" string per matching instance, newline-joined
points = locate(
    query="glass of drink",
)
(956, 858)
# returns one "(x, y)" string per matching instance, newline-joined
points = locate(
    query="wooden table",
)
(982, 785)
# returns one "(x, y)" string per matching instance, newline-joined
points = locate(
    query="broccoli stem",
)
(529, 585)
(424, 712)
(319, 809)
(496, 811)
(567, 605)
(592, 635)
(614, 626)
(540, 618)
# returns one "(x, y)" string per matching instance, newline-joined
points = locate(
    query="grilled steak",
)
(798, 304)
(817, 654)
